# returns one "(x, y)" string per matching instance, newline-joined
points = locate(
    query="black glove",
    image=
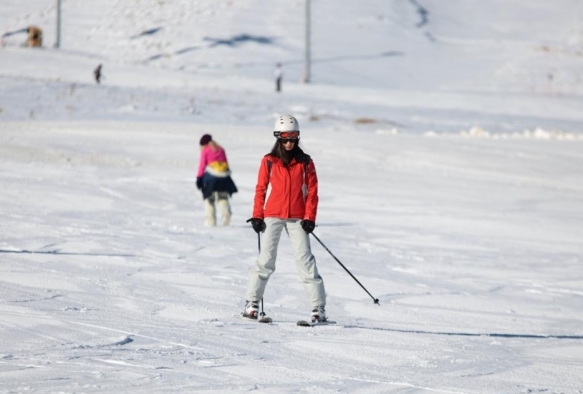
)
(199, 183)
(258, 224)
(308, 225)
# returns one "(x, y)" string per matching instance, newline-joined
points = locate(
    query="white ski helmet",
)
(285, 123)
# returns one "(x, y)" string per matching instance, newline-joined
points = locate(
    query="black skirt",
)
(211, 184)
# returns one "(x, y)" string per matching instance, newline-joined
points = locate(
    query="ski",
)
(263, 319)
(303, 323)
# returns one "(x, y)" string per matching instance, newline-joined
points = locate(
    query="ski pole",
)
(376, 300)
(259, 249)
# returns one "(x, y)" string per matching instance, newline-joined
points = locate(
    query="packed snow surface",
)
(448, 143)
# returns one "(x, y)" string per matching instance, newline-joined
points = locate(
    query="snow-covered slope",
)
(417, 65)
(466, 226)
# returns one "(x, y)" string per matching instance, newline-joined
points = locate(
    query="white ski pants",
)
(305, 261)
(221, 200)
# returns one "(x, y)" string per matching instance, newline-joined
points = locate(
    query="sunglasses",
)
(287, 135)
(286, 140)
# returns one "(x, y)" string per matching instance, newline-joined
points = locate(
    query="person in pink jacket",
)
(213, 179)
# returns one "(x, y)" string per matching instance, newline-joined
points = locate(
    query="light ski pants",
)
(305, 261)
(220, 199)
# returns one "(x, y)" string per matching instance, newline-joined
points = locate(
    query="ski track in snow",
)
(449, 149)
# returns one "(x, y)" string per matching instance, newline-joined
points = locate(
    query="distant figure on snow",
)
(97, 74)
(278, 77)
(35, 36)
(214, 180)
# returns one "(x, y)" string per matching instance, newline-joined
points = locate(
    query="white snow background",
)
(448, 141)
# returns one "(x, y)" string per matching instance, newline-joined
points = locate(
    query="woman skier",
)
(290, 205)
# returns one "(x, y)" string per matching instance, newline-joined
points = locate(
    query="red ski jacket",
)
(292, 191)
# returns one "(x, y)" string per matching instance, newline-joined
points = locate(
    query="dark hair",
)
(205, 139)
(286, 156)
